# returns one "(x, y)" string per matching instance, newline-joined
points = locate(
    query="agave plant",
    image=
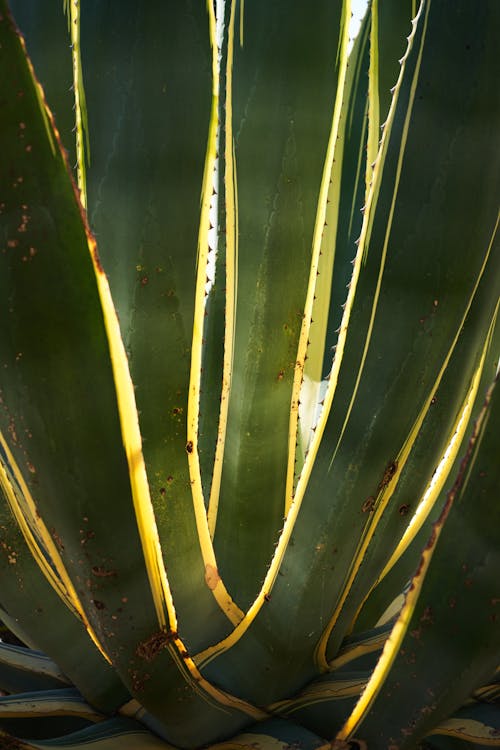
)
(248, 299)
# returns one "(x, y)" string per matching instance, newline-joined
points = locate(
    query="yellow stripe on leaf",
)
(319, 243)
(231, 207)
(40, 541)
(395, 639)
(371, 203)
(132, 443)
(216, 585)
(444, 467)
(470, 730)
(373, 104)
(72, 9)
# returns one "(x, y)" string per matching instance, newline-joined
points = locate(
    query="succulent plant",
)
(249, 286)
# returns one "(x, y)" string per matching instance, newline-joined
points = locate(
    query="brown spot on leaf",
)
(57, 539)
(151, 647)
(427, 616)
(212, 576)
(87, 535)
(368, 504)
(95, 253)
(138, 680)
(388, 474)
(101, 572)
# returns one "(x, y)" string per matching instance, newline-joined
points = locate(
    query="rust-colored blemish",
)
(95, 256)
(57, 539)
(388, 474)
(427, 616)
(151, 647)
(101, 572)
(189, 446)
(138, 680)
(212, 576)
(368, 504)
(87, 535)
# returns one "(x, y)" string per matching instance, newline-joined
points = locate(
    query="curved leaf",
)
(64, 346)
(23, 670)
(476, 723)
(326, 535)
(419, 670)
(108, 735)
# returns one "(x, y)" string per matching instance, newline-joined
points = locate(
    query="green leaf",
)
(149, 152)
(42, 703)
(124, 733)
(45, 30)
(108, 735)
(443, 646)
(23, 669)
(48, 623)
(63, 345)
(60, 352)
(409, 341)
(282, 109)
(476, 725)
(489, 692)
(395, 579)
(323, 705)
(360, 650)
(275, 734)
